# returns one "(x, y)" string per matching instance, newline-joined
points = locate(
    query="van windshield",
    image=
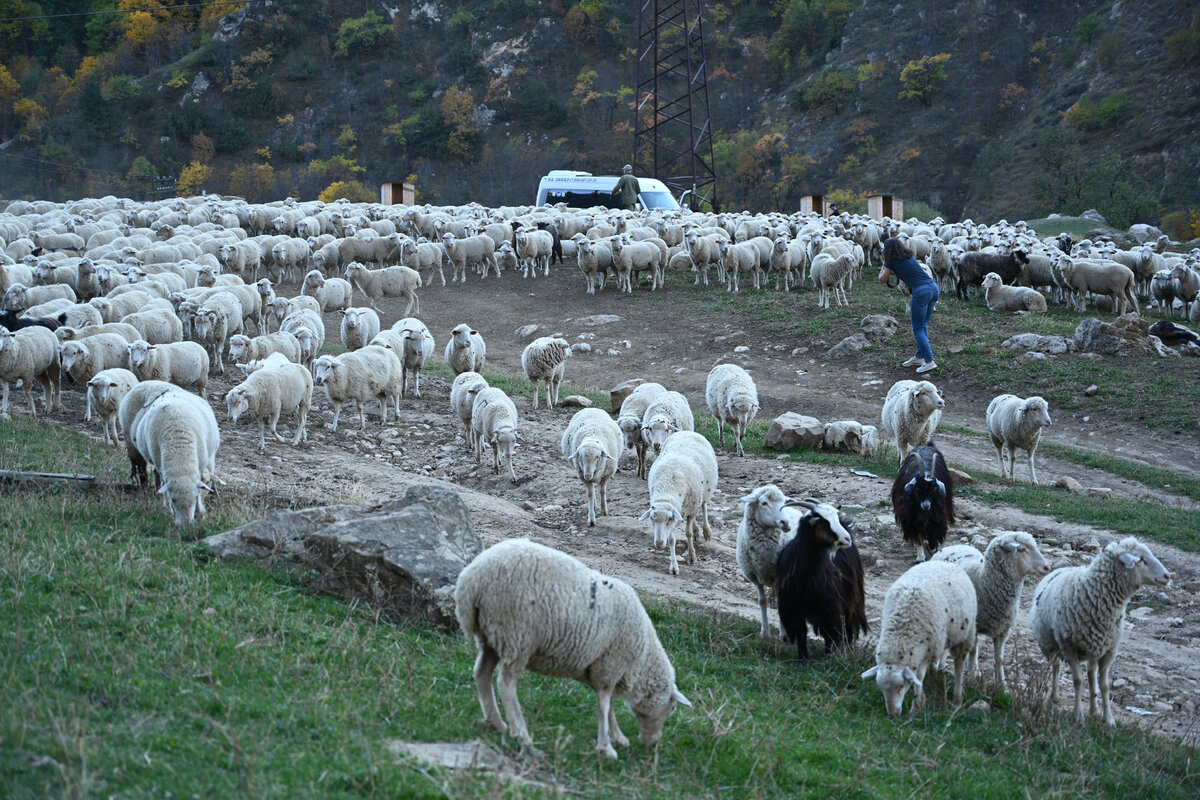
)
(582, 198)
(659, 200)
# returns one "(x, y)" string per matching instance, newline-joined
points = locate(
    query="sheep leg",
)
(301, 425)
(1077, 678)
(705, 528)
(960, 661)
(510, 672)
(383, 410)
(689, 533)
(765, 630)
(337, 412)
(639, 448)
(1106, 662)
(478, 447)
(919, 689)
(591, 502)
(262, 439)
(1000, 457)
(1093, 686)
(417, 384)
(512, 473)
(739, 430)
(671, 542)
(275, 426)
(1032, 468)
(605, 713)
(998, 643)
(614, 730)
(604, 496)
(362, 414)
(720, 432)
(1012, 463)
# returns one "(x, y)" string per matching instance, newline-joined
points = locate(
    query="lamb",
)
(268, 393)
(665, 415)
(923, 500)
(416, 345)
(544, 360)
(331, 294)
(156, 326)
(280, 307)
(737, 258)
(398, 281)
(19, 296)
(1078, 614)
(681, 483)
(1179, 282)
(931, 608)
(105, 392)
(215, 320)
(28, 355)
(764, 530)
(359, 327)
(466, 351)
(732, 398)
(494, 422)
(789, 261)
(974, 266)
(175, 432)
(372, 373)
(592, 443)
(828, 274)
(1011, 298)
(184, 364)
(1016, 423)
(83, 358)
(633, 409)
(243, 349)
(819, 580)
(595, 259)
(558, 617)
(998, 575)
(462, 400)
(911, 413)
(468, 250)
(309, 329)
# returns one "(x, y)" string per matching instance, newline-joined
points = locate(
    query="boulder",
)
(960, 478)
(1144, 233)
(622, 390)
(1094, 215)
(576, 401)
(1173, 334)
(790, 430)
(1038, 343)
(525, 331)
(1127, 335)
(850, 437)
(878, 327)
(596, 320)
(850, 346)
(402, 556)
(1070, 484)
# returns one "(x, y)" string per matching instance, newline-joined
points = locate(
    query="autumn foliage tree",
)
(460, 116)
(921, 78)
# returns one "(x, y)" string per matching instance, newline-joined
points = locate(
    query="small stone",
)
(979, 541)
(581, 347)
(613, 352)
(1161, 705)
(1091, 545)
(1033, 355)
(1091, 390)
(954, 348)
(960, 478)
(1141, 612)
(981, 705)
(850, 346)
(1069, 483)
(576, 401)
(596, 320)
(1120, 683)
(528, 506)
(741, 348)
(525, 331)
(622, 390)
(1098, 491)
(550, 508)
(1192, 586)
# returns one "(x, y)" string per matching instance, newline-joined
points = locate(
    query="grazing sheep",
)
(1017, 423)
(633, 409)
(494, 423)
(105, 392)
(214, 322)
(184, 364)
(466, 351)
(398, 281)
(269, 393)
(243, 349)
(592, 443)
(911, 413)
(1011, 298)
(998, 575)
(359, 327)
(928, 610)
(763, 532)
(732, 398)
(665, 415)
(819, 579)
(372, 373)
(28, 355)
(544, 360)
(331, 294)
(923, 500)
(828, 274)
(529, 606)
(156, 326)
(681, 482)
(462, 400)
(1078, 614)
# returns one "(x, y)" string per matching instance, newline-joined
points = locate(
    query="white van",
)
(585, 190)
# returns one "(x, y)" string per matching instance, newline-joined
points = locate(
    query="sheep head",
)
(237, 401)
(1037, 410)
(894, 681)
(765, 505)
(1135, 557)
(663, 516)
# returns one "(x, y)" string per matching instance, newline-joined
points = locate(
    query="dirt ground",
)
(1157, 671)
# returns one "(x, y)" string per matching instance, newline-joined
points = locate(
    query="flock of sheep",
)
(140, 301)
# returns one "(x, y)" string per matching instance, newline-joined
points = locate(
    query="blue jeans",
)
(924, 298)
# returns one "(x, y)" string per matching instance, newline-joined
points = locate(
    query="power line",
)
(131, 10)
(76, 167)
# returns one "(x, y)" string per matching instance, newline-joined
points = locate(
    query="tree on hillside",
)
(921, 78)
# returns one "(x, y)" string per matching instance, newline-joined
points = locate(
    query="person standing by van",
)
(628, 188)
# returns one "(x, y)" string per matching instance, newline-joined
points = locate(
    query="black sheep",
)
(556, 249)
(923, 499)
(14, 321)
(819, 581)
(972, 267)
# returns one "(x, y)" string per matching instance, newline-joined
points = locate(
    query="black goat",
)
(973, 266)
(14, 321)
(923, 499)
(1173, 334)
(819, 581)
(556, 249)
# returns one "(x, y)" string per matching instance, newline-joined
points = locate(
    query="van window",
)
(659, 200)
(582, 199)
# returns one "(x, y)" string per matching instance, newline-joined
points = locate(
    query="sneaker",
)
(927, 366)
(912, 362)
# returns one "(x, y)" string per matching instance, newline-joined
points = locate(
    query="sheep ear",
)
(573, 455)
(941, 488)
(163, 489)
(910, 676)
(645, 514)
(870, 673)
(1010, 547)
(675, 515)
(746, 499)
(678, 697)
(204, 486)
(1129, 559)
(908, 487)
(474, 333)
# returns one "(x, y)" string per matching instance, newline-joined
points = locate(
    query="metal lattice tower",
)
(673, 132)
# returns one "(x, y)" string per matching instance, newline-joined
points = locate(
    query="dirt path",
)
(664, 338)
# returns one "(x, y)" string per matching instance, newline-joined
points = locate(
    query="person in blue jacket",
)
(898, 260)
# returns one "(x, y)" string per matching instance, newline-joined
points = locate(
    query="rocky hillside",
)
(969, 108)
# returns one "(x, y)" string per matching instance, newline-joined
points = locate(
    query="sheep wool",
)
(528, 606)
(681, 483)
(1017, 423)
(732, 398)
(544, 361)
(1011, 298)
(28, 355)
(494, 423)
(359, 327)
(462, 399)
(911, 413)
(762, 534)
(105, 392)
(268, 393)
(466, 351)
(592, 443)
(629, 420)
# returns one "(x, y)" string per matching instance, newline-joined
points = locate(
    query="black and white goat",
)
(923, 500)
(819, 580)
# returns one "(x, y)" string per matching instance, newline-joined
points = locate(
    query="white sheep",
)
(214, 322)
(592, 443)
(1078, 614)
(462, 400)
(359, 327)
(529, 606)
(544, 360)
(243, 349)
(468, 250)
(269, 393)
(911, 413)
(665, 415)
(82, 359)
(466, 350)
(411, 341)
(184, 364)
(534, 249)
(372, 373)
(80, 315)
(1017, 423)
(1011, 298)
(929, 609)
(20, 297)
(156, 326)
(998, 575)
(28, 355)
(732, 398)
(494, 422)
(829, 272)
(681, 483)
(126, 332)
(398, 281)
(764, 530)
(283, 306)
(309, 329)
(633, 409)
(332, 294)
(105, 392)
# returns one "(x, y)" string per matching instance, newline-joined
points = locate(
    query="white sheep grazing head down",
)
(766, 506)
(184, 498)
(663, 517)
(1035, 412)
(237, 401)
(926, 399)
(894, 681)
(652, 711)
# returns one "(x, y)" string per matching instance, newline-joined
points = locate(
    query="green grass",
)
(1078, 227)
(1156, 477)
(135, 667)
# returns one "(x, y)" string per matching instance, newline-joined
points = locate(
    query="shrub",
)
(354, 191)
(1087, 28)
(921, 78)
(1089, 114)
(122, 89)
(361, 35)
(830, 90)
(192, 179)
(303, 70)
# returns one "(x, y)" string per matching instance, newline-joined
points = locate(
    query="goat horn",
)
(809, 504)
(932, 466)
